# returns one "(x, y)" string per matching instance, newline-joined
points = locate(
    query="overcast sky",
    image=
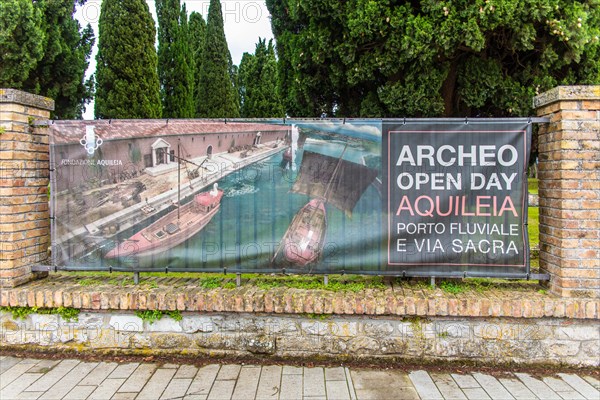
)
(245, 22)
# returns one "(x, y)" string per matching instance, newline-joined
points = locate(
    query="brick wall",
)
(24, 174)
(569, 188)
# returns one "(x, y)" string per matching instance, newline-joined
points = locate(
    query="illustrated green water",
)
(257, 209)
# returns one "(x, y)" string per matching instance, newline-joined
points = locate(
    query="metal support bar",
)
(136, 278)
(238, 280)
(433, 282)
(42, 268)
(404, 274)
(539, 277)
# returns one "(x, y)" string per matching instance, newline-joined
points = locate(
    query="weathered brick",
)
(268, 302)
(359, 305)
(452, 306)
(58, 298)
(287, 301)
(399, 305)
(380, 303)
(248, 297)
(30, 298)
(590, 105)
(4, 301)
(338, 303)
(411, 309)
(200, 302)
(76, 300)
(278, 300)
(308, 303)
(113, 301)
(259, 301)
(591, 309)
(86, 301)
(13, 300)
(96, 303)
(39, 298)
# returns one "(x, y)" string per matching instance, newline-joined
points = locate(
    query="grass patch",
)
(337, 283)
(352, 283)
(67, 313)
(533, 185)
(533, 218)
(452, 287)
(150, 316)
(89, 282)
(211, 282)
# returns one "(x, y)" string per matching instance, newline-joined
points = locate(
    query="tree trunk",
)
(448, 88)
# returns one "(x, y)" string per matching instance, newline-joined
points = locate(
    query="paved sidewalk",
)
(73, 379)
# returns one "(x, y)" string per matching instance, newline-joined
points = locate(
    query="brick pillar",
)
(24, 174)
(569, 172)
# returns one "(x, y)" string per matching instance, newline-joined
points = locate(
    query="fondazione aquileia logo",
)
(89, 141)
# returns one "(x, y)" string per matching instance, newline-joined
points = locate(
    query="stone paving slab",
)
(177, 388)
(13, 373)
(425, 386)
(314, 383)
(72, 379)
(50, 378)
(493, 387)
(202, 383)
(476, 394)
(138, 378)
(186, 371)
(106, 389)
(369, 384)
(291, 387)
(337, 390)
(157, 384)
(69, 381)
(101, 372)
(123, 371)
(517, 389)
(593, 381)
(19, 385)
(7, 363)
(221, 390)
(538, 387)
(247, 383)
(448, 387)
(269, 384)
(80, 393)
(587, 390)
(563, 389)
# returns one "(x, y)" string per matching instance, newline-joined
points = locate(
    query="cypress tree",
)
(44, 51)
(60, 74)
(21, 41)
(197, 31)
(174, 60)
(216, 96)
(258, 83)
(185, 64)
(127, 83)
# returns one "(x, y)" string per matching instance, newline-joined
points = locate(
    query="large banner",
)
(456, 196)
(303, 196)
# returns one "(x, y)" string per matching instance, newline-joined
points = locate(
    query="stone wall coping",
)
(567, 93)
(27, 99)
(184, 294)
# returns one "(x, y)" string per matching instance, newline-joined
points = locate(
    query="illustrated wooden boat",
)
(330, 180)
(172, 229)
(303, 241)
(175, 227)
